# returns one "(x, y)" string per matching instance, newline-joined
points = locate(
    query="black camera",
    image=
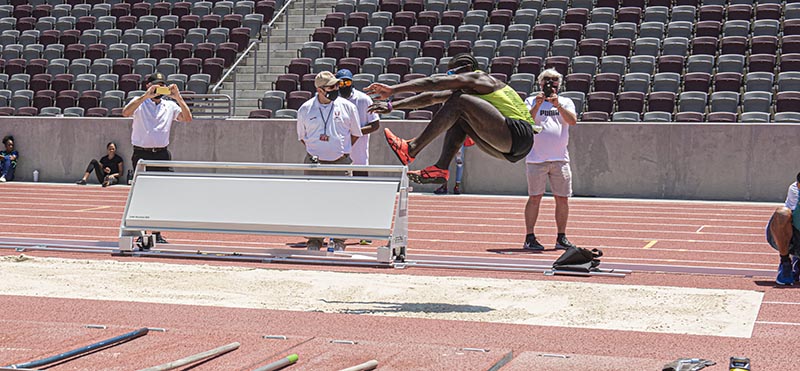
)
(548, 88)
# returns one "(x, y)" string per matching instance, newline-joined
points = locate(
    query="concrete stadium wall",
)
(653, 160)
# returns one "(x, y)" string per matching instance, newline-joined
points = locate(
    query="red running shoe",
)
(430, 174)
(399, 146)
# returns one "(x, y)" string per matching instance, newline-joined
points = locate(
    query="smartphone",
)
(162, 90)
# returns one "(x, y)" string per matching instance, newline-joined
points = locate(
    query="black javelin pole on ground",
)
(75, 352)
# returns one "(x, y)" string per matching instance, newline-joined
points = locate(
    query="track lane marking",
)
(93, 209)
(650, 244)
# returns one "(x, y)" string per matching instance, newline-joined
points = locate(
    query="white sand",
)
(545, 303)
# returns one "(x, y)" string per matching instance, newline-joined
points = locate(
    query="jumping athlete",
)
(474, 104)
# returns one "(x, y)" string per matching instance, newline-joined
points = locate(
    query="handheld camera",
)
(162, 90)
(548, 88)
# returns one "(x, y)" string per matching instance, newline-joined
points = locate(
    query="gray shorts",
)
(559, 174)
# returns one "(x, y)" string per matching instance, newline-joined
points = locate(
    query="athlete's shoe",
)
(532, 244)
(785, 274)
(456, 190)
(430, 174)
(441, 190)
(796, 268)
(80, 182)
(399, 146)
(563, 243)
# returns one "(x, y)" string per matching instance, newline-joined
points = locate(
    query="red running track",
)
(660, 239)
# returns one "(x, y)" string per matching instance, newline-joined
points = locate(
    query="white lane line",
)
(650, 244)
(699, 229)
(93, 209)
(778, 323)
(781, 302)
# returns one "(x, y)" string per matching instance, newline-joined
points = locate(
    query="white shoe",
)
(2, 179)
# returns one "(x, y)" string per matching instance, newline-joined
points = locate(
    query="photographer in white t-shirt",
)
(549, 158)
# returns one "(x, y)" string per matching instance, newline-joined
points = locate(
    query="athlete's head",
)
(462, 63)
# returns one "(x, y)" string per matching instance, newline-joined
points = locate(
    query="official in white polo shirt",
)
(369, 122)
(152, 120)
(328, 126)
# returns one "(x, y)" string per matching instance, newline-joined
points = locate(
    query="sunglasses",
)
(345, 83)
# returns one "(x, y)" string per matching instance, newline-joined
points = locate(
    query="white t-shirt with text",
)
(551, 143)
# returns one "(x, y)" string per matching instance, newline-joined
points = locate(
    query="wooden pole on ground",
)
(194, 358)
(369, 365)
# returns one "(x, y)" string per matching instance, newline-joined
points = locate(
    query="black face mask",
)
(346, 91)
(332, 95)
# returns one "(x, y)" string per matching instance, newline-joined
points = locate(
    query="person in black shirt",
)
(107, 170)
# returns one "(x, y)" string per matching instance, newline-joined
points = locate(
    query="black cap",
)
(155, 78)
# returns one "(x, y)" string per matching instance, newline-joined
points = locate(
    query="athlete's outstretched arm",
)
(477, 81)
(417, 101)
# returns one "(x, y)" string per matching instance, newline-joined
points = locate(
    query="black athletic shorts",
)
(521, 139)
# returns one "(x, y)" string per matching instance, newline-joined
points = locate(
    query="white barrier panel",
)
(248, 203)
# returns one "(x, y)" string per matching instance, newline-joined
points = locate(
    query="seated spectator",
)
(783, 235)
(8, 163)
(107, 170)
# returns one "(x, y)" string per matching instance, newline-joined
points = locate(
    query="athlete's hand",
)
(379, 107)
(379, 91)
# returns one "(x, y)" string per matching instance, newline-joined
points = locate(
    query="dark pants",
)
(6, 168)
(141, 154)
(95, 167)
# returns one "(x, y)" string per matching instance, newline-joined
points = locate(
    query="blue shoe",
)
(785, 274)
(796, 268)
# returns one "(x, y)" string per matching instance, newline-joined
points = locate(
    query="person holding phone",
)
(549, 157)
(153, 114)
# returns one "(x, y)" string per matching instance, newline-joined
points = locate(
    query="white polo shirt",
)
(338, 120)
(152, 122)
(360, 153)
(551, 143)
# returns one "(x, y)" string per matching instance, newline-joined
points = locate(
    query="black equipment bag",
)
(578, 259)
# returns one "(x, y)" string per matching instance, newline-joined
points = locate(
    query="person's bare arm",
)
(416, 101)
(476, 81)
(186, 114)
(371, 127)
(568, 116)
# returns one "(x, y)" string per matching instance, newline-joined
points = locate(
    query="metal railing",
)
(209, 106)
(252, 48)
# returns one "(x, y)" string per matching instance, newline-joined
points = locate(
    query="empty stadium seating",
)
(661, 60)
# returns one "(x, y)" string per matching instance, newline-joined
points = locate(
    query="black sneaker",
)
(563, 243)
(532, 244)
(160, 239)
(80, 182)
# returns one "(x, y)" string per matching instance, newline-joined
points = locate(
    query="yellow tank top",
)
(509, 103)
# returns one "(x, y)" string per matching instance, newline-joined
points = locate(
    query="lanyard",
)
(325, 120)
